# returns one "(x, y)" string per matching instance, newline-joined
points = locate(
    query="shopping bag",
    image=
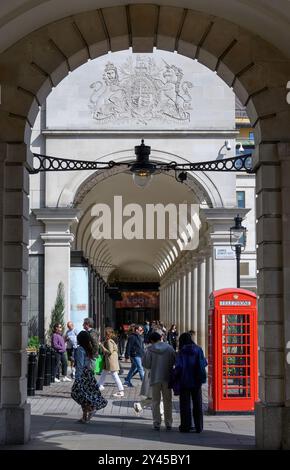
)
(99, 363)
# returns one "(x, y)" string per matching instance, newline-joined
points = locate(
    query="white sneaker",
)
(118, 394)
(137, 407)
(101, 388)
(66, 379)
(56, 380)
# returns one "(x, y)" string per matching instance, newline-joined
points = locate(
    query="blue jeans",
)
(136, 366)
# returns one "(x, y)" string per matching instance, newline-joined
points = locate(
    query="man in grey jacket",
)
(159, 358)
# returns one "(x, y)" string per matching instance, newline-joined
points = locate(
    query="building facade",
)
(99, 113)
(247, 47)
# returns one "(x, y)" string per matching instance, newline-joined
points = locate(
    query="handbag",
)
(99, 363)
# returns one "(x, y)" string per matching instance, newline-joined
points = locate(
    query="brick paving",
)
(55, 424)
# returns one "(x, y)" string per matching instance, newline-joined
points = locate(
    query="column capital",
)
(57, 215)
(57, 225)
(222, 215)
(219, 221)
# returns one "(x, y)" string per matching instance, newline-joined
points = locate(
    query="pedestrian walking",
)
(146, 392)
(159, 359)
(135, 351)
(85, 390)
(122, 338)
(187, 378)
(88, 325)
(172, 336)
(110, 351)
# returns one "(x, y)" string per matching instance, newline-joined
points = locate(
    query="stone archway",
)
(97, 250)
(258, 73)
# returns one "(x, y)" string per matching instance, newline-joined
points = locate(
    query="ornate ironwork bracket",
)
(241, 163)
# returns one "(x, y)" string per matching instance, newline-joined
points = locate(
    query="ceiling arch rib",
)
(255, 69)
(120, 254)
(268, 19)
(200, 183)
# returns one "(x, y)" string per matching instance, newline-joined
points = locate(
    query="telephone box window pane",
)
(236, 355)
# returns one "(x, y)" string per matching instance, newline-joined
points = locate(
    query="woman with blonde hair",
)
(110, 351)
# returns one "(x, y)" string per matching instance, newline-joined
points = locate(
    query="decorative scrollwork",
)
(47, 163)
(241, 163)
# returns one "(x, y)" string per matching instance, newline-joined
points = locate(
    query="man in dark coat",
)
(88, 325)
(135, 351)
(189, 375)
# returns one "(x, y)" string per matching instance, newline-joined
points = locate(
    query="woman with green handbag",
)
(99, 362)
(111, 366)
(85, 390)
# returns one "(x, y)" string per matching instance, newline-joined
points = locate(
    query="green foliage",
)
(57, 313)
(32, 326)
(33, 342)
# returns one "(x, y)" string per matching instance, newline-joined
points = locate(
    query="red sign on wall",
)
(138, 300)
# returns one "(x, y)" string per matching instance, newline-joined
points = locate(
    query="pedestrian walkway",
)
(55, 414)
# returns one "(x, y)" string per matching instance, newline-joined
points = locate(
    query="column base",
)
(272, 427)
(15, 425)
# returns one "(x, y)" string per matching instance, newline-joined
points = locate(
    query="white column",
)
(194, 297)
(182, 300)
(163, 302)
(164, 319)
(208, 290)
(57, 243)
(160, 301)
(170, 304)
(201, 304)
(188, 299)
(219, 221)
(174, 311)
(178, 281)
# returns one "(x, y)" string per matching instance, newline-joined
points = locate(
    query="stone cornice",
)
(224, 133)
(57, 214)
(222, 214)
(58, 239)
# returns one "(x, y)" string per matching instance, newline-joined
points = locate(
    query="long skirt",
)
(85, 391)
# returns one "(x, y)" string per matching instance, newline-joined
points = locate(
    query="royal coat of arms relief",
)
(141, 92)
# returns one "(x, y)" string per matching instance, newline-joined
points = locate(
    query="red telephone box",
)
(232, 351)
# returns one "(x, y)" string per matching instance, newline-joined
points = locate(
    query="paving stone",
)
(55, 414)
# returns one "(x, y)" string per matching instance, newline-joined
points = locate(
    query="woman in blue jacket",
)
(189, 375)
(85, 390)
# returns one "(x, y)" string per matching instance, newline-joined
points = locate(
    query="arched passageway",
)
(257, 71)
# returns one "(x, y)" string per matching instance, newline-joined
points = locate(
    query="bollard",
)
(41, 367)
(31, 376)
(53, 361)
(47, 373)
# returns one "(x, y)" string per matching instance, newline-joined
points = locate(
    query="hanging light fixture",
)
(238, 238)
(142, 169)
